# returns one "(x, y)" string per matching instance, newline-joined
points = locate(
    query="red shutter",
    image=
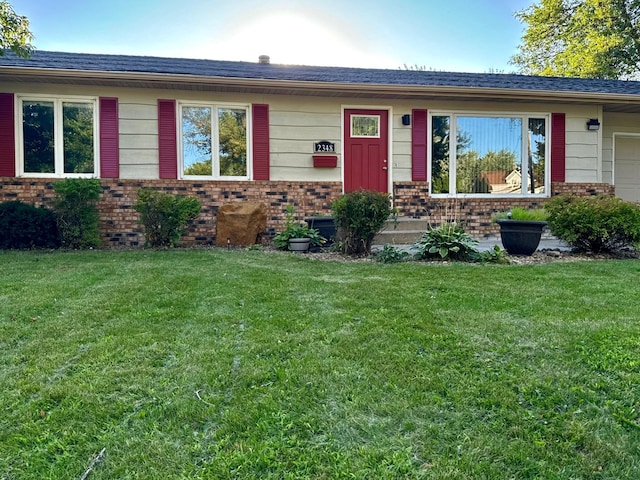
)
(167, 143)
(7, 136)
(419, 146)
(260, 142)
(109, 138)
(558, 146)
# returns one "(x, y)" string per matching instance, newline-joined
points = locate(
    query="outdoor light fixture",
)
(406, 119)
(593, 124)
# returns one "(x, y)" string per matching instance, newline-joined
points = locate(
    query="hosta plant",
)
(448, 241)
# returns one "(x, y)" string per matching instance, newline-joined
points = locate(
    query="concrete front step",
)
(395, 237)
(403, 231)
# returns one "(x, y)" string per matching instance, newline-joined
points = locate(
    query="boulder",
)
(241, 223)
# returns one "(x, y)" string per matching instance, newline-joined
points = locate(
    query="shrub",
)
(26, 226)
(164, 216)
(448, 241)
(360, 215)
(391, 254)
(594, 224)
(77, 211)
(494, 255)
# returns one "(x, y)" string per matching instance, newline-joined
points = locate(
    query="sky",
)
(444, 35)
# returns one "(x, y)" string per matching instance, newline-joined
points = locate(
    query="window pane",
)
(232, 131)
(365, 126)
(488, 158)
(196, 140)
(440, 129)
(38, 137)
(77, 125)
(536, 153)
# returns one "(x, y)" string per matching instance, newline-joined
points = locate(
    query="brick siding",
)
(119, 221)
(474, 214)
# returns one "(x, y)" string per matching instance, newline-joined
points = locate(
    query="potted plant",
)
(296, 236)
(521, 229)
(325, 225)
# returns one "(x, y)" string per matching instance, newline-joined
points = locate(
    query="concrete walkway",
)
(546, 243)
(487, 243)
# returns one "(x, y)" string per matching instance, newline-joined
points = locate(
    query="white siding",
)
(401, 151)
(295, 127)
(138, 136)
(296, 122)
(584, 147)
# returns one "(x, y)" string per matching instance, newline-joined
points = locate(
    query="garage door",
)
(627, 168)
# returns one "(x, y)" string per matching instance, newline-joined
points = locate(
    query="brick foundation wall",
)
(474, 214)
(119, 227)
(119, 221)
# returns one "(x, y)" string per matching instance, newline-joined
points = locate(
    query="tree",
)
(580, 38)
(14, 32)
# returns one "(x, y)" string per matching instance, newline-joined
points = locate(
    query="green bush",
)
(77, 210)
(164, 216)
(494, 255)
(596, 224)
(391, 254)
(360, 216)
(448, 241)
(25, 226)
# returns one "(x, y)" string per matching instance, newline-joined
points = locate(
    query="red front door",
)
(366, 136)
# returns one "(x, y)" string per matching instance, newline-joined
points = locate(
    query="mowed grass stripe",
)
(229, 364)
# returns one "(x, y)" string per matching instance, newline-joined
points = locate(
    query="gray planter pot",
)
(520, 237)
(299, 244)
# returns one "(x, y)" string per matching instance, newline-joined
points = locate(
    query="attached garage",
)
(627, 167)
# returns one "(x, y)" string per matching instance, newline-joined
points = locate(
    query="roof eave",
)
(311, 87)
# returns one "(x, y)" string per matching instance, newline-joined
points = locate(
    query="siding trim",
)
(167, 139)
(558, 147)
(419, 142)
(7, 136)
(260, 141)
(109, 138)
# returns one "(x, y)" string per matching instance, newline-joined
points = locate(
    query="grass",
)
(240, 365)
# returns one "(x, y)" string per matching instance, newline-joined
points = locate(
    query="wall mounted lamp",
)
(593, 124)
(406, 119)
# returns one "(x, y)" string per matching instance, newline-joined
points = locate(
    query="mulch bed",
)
(539, 257)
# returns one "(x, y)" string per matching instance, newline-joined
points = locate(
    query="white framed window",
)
(57, 136)
(365, 126)
(478, 154)
(214, 141)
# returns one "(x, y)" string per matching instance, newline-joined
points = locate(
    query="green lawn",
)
(248, 365)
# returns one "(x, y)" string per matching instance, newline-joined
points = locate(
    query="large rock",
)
(241, 223)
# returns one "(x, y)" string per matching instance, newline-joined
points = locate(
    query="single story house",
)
(444, 145)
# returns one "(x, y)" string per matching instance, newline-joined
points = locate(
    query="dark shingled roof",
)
(339, 75)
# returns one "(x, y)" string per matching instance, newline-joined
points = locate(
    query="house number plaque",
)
(324, 147)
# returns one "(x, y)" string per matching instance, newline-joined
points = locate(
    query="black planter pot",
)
(520, 237)
(326, 226)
